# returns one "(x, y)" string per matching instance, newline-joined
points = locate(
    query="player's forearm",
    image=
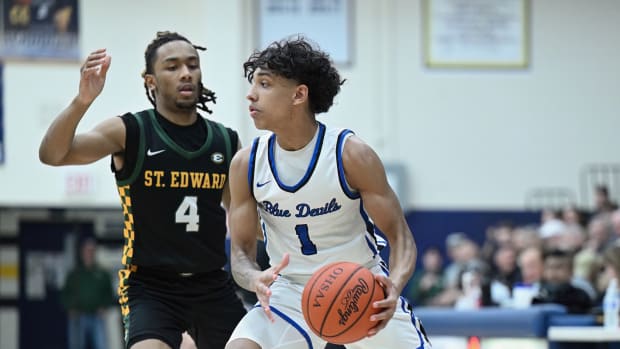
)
(244, 267)
(58, 139)
(403, 255)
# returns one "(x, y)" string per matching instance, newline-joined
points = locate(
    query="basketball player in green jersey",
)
(171, 167)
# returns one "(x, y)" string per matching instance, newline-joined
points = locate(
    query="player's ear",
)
(149, 81)
(301, 94)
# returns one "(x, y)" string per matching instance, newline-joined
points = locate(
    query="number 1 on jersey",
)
(307, 246)
(188, 213)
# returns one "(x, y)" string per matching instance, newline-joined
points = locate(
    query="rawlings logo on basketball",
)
(351, 300)
(327, 282)
(337, 302)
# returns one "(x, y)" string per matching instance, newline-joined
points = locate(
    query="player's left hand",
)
(265, 279)
(388, 304)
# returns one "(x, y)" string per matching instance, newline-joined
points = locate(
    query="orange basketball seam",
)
(355, 305)
(307, 289)
(374, 285)
(335, 298)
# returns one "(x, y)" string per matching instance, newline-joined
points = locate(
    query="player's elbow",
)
(48, 158)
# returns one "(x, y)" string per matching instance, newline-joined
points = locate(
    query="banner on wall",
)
(325, 22)
(39, 29)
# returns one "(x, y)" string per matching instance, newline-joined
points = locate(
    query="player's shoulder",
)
(239, 164)
(355, 150)
(140, 114)
(242, 156)
(338, 136)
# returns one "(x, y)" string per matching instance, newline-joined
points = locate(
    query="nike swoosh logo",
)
(258, 184)
(151, 153)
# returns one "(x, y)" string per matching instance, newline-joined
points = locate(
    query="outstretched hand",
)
(264, 280)
(93, 74)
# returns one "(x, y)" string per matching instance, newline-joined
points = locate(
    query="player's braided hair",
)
(298, 60)
(164, 37)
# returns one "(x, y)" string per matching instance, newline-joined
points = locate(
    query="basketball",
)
(337, 302)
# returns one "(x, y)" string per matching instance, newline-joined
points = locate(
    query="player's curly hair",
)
(164, 37)
(298, 60)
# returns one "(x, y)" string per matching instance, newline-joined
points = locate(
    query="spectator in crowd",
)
(505, 268)
(497, 236)
(548, 214)
(572, 215)
(611, 268)
(556, 286)
(552, 233)
(531, 264)
(586, 259)
(615, 224)
(426, 282)
(459, 249)
(573, 238)
(525, 237)
(465, 255)
(472, 287)
(602, 201)
(86, 294)
(504, 274)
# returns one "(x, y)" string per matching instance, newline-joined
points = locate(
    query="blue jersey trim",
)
(251, 162)
(294, 324)
(309, 170)
(341, 177)
(407, 308)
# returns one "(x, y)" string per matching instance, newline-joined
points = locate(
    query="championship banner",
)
(39, 29)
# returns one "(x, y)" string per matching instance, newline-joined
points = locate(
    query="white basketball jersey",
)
(319, 219)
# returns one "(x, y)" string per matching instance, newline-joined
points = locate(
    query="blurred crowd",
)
(567, 258)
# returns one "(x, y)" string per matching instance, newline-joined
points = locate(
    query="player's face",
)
(271, 99)
(177, 75)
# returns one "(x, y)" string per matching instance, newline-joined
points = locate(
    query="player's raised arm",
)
(60, 145)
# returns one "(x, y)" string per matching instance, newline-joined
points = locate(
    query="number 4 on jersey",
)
(188, 213)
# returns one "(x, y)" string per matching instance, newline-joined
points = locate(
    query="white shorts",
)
(289, 331)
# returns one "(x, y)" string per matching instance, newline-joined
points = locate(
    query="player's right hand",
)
(93, 74)
(264, 280)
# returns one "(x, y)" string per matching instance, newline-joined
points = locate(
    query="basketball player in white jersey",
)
(317, 192)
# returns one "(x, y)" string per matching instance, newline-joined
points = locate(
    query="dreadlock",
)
(164, 37)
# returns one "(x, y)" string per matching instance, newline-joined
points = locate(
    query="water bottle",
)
(611, 305)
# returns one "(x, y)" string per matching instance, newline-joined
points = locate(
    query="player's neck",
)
(178, 116)
(297, 136)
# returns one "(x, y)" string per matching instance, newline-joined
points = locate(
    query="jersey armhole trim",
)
(140, 156)
(341, 176)
(251, 162)
(226, 141)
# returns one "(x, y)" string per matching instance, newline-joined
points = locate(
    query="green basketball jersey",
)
(171, 198)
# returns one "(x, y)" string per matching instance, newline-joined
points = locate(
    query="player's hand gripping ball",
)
(337, 302)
